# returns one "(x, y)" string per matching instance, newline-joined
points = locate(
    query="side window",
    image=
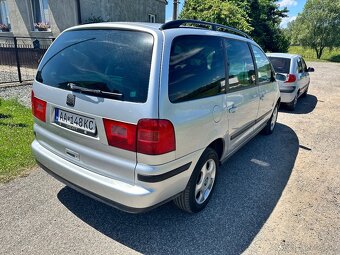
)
(196, 68)
(40, 14)
(300, 68)
(241, 68)
(152, 18)
(304, 66)
(264, 69)
(4, 18)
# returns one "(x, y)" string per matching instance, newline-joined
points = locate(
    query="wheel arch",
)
(218, 145)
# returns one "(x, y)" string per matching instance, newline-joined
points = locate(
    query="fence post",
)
(17, 58)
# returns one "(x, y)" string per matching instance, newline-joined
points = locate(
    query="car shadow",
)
(304, 105)
(249, 186)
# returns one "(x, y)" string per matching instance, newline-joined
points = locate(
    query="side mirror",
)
(280, 77)
(310, 69)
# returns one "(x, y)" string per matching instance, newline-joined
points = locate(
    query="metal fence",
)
(20, 56)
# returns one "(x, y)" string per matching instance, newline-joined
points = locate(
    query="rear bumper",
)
(288, 93)
(135, 198)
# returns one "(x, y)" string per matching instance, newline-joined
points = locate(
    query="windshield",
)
(281, 65)
(115, 61)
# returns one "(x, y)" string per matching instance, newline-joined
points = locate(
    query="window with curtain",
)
(4, 18)
(40, 11)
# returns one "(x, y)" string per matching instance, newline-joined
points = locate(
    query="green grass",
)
(16, 136)
(310, 55)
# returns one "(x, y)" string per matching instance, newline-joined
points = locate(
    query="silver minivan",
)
(138, 114)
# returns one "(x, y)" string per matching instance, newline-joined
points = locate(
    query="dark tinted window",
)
(240, 65)
(299, 66)
(264, 69)
(108, 60)
(196, 68)
(304, 66)
(281, 65)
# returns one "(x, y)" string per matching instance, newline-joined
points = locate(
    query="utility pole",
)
(174, 13)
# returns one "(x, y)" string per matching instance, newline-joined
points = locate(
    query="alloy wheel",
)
(205, 181)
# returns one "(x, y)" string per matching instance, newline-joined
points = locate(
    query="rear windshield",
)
(115, 61)
(281, 65)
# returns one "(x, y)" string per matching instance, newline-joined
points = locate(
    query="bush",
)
(95, 19)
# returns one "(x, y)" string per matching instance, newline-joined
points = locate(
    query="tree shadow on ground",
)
(248, 188)
(304, 105)
(11, 125)
(5, 116)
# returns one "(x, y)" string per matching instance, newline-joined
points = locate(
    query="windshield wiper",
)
(75, 87)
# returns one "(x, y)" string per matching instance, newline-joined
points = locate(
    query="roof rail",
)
(210, 25)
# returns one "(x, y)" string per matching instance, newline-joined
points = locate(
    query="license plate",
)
(75, 122)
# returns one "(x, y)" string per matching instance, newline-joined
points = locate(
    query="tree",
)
(218, 11)
(266, 17)
(259, 18)
(318, 26)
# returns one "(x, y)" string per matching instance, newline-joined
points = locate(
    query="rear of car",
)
(286, 77)
(97, 126)
(292, 75)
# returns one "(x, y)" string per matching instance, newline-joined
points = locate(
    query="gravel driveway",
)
(22, 93)
(10, 73)
(277, 195)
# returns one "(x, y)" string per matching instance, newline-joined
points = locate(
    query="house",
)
(47, 18)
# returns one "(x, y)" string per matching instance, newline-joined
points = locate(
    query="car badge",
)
(70, 100)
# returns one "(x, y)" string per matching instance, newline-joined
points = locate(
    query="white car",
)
(292, 75)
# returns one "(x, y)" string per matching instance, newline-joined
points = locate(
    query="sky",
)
(169, 8)
(294, 7)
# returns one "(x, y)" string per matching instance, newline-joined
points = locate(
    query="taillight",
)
(38, 108)
(290, 78)
(155, 137)
(150, 136)
(121, 135)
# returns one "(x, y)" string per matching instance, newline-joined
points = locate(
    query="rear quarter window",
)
(116, 61)
(264, 69)
(196, 68)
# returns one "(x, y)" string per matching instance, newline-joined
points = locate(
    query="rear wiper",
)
(74, 87)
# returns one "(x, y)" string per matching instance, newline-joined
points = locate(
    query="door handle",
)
(262, 97)
(232, 109)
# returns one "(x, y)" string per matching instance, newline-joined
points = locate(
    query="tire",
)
(292, 105)
(270, 126)
(194, 199)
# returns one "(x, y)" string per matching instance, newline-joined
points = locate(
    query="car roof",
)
(156, 27)
(283, 55)
(138, 24)
(145, 25)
